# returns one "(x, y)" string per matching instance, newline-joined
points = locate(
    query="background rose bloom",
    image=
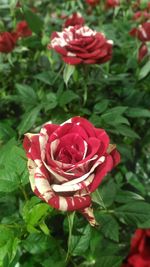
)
(80, 44)
(143, 51)
(141, 16)
(140, 250)
(142, 32)
(67, 163)
(92, 2)
(23, 29)
(7, 42)
(112, 3)
(74, 19)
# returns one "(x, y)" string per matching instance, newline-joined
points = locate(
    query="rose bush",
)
(7, 42)
(67, 163)
(80, 44)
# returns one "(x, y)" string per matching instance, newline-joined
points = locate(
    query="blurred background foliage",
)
(114, 96)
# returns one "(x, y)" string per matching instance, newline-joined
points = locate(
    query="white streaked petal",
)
(53, 147)
(85, 149)
(74, 187)
(82, 178)
(43, 187)
(58, 177)
(63, 205)
(31, 167)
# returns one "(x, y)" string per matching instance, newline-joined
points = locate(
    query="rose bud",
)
(92, 3)
(141, 16)
(74, 19)
(142, 32)
(112, 3)
(143, 51)
(68, 162)
(77, 45)
(23, 29)
(7, 42)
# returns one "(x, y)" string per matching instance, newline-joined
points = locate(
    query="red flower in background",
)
(92, 2)
(74, 19)
(7, 42)
(142, 32)
(67, 163)
(23, 29)
(143, 51)
(141, 16)
(81, 45)
(140, 250)
(112, 3)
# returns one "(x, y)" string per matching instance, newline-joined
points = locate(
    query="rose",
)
(141, 16)
(142, 32)
(67, 163)
(23, 29)
(74, 19)
(7, 42)
(139, 255)
(77, 44)
(112, 3)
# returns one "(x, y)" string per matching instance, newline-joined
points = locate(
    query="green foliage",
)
(36, 87)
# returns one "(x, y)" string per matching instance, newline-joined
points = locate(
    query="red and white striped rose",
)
(80, 44)
(67, 163)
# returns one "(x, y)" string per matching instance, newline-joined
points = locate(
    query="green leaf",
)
(68, 72)
(34, 213)
(34, 21)
(101, 106)
(80, 243)
(46, 77)
(108, 192)
(145, 225)
(127, 131)
(26, 94)
(37, 243)
(28, 120)
(67, 97)
(135, 182)
(8, 244)
(51, 101)
(107, 223)
(127, 196)
(138, 113)
(144, 71)
(134, 213)
(13, 167)
(109, 261)
(114, 116)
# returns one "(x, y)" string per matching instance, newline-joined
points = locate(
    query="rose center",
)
(69, 154)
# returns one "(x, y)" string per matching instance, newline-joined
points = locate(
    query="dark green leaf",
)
(34, 21)
(28, 120)
(134, 213)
